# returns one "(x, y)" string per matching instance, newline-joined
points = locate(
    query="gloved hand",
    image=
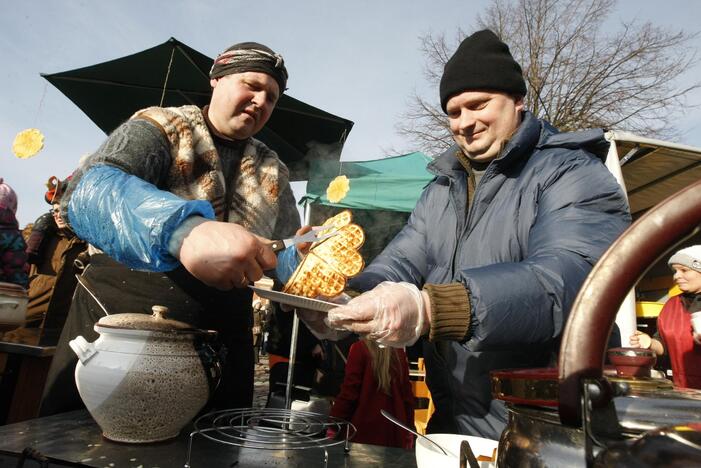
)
(393, 314)
(317, 323)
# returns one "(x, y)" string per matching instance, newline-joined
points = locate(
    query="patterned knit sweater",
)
(173, 149)
(249, 195)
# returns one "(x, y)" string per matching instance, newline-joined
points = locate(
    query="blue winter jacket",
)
(543, 213)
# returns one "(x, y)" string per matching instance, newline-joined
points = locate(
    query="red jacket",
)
(674, 326)
(360, 401)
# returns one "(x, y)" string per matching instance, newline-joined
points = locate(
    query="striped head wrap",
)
(250, 57)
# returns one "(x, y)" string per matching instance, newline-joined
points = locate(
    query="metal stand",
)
(272, 429)
(293, 358)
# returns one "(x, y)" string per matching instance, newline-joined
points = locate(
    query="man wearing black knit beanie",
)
(498, 245)
(177, 205)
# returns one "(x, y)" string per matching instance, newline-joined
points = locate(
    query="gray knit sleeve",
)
(137, 147)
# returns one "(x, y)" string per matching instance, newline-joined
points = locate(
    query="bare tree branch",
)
(577, 75)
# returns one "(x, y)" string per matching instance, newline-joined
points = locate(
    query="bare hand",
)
(225, 255)
(303, 248)
(640, 340)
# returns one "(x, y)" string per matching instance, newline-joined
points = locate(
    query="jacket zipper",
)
(459, 228)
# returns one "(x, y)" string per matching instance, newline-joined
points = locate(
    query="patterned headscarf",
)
(8, 197)
(250, 57)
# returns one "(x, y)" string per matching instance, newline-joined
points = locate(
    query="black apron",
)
(121, 289)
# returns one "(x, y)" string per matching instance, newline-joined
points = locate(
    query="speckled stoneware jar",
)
(145, 377)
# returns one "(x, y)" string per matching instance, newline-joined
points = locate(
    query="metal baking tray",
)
(294, 301)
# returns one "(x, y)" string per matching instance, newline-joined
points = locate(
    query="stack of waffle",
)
(323, 272)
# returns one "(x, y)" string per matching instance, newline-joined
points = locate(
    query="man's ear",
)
(213, 82)
(519, 102)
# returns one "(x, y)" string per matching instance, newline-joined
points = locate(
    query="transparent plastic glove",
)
(393, 314)
(317, 323)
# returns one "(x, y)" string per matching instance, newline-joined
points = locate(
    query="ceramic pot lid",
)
(11, 289)
(135, 321)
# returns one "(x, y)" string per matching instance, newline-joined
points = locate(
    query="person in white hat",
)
(679, 323)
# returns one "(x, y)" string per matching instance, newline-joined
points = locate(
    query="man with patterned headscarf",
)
(178, 204)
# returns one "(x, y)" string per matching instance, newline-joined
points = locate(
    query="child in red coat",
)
(376, 379)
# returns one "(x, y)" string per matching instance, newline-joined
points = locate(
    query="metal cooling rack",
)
(271, 429)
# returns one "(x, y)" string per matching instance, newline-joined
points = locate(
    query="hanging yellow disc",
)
(28, 143)
(338, 189)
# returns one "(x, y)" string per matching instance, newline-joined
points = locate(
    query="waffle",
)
(343, 218)
(341, 250)
(323, 272)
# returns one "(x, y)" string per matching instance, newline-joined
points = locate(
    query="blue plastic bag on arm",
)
(128, 218)
(287, 262)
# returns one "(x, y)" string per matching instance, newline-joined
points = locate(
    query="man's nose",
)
(466, 120)
(260, 99)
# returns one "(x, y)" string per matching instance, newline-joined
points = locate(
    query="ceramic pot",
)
(145, 377)
(13, 306)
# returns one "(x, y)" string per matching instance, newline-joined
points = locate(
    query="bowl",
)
(632, 362)
(13, 306)
(429, 456)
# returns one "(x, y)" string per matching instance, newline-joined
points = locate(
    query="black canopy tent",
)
(174, 74)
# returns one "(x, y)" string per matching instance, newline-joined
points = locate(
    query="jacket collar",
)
(526, 138)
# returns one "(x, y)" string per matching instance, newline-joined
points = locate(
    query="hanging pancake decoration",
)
(28, 143)
(338, 189)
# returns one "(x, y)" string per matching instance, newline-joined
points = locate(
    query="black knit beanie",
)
(482, 62)
(250, 57)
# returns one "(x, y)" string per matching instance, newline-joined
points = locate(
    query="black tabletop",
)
(74, 437)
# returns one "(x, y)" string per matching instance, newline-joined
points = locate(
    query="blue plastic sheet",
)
(287, 262)
(128, 218)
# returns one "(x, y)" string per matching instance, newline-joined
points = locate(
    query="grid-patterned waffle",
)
(314, 277)
(341, 250)
(329, 262)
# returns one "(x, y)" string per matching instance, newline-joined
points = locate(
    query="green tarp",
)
(392, 184)
(383, 192)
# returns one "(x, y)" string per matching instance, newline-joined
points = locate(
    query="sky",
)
(358, 59)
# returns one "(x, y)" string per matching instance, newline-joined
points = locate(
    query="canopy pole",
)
(626, 319)
(293, 360)
(307, 213)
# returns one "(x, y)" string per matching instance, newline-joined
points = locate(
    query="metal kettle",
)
(580, 415)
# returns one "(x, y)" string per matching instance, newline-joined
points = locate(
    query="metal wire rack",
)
(272, 429)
